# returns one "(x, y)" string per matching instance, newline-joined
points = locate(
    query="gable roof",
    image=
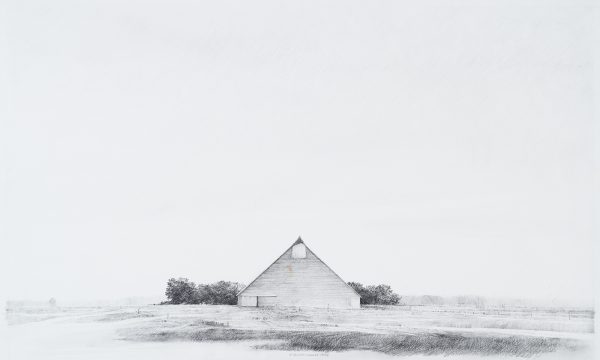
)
(298, 241)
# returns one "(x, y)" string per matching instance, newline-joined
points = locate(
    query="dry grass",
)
(393, 344)
(391, 330)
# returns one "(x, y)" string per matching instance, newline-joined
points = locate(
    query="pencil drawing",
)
(266, 179)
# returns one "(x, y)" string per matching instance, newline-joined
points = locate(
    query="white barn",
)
(299, 278)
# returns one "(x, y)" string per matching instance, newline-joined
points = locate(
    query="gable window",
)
(299, 251)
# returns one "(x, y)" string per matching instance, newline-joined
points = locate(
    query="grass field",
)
(398, 330)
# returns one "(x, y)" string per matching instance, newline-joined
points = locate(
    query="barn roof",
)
(298, 241)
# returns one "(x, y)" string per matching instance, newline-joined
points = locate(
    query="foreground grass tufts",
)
(394, 344)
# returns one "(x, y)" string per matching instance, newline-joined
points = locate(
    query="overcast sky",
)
(442, 149)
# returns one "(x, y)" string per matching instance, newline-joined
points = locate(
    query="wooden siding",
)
(266, 300)
(247, 300)
(302, 282)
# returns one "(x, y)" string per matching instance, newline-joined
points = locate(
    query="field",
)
(192, 331)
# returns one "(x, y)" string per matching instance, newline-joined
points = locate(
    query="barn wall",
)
(267, 301)
(247, 300)
(355, 302)
(303, 282)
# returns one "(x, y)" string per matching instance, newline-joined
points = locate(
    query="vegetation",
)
(184, 291)
(375, 294)
(393, 344)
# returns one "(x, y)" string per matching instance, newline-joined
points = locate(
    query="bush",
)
(222, 293)
(183, 291)
(375, 294)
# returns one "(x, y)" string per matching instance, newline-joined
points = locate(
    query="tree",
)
(204, 294)
(375, 295)
(384, 295)
(220, 293)
(182, 291)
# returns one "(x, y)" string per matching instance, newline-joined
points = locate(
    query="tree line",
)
(184, 291)
(375, 294)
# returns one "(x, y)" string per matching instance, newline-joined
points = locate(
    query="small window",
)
(299, 251)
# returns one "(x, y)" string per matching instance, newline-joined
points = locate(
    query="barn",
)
(299, 278)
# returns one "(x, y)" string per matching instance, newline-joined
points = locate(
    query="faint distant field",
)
(395, 330)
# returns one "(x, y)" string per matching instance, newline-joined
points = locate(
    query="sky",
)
(441, 148)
